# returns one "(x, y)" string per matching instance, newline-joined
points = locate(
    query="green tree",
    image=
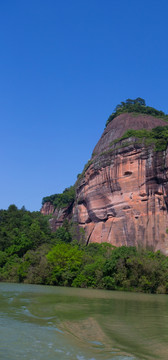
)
(66, 261)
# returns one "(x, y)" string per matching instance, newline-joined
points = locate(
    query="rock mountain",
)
(122, 194)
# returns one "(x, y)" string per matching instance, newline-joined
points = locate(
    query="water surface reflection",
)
(65, 323)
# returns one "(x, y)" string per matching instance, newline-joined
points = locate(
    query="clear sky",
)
(64, 66)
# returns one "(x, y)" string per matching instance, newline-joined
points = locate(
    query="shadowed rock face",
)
(123, 196)
(58, 215)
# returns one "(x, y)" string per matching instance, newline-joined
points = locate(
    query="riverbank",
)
(31, 253)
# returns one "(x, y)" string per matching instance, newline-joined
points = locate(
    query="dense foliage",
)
(157, 136)
(136, 106)
(30, 253)
(61, 200)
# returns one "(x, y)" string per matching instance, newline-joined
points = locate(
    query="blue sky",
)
(64, 66)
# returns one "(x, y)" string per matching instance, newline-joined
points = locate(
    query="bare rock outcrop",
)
(122, 197)
(47, 208)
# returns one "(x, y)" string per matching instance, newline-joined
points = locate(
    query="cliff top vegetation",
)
(137, 105)
(157, 136)
(61, 200)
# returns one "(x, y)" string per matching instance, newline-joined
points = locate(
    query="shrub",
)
(64, 199)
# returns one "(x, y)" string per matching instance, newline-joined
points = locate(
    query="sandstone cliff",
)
(47, 208)
(122, 197)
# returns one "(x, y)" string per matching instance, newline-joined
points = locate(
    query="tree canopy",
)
(64, 199)
(31, 253)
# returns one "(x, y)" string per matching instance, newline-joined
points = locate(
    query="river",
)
(54, 323)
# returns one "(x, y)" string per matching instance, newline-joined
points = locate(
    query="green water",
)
(50, 323)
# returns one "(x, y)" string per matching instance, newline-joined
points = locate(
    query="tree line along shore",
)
(31, 253)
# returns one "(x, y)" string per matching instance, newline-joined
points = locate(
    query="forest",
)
(31, 253)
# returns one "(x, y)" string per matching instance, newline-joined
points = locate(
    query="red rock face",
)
(125, 202)
(47, 208)
(123, 196)
(58, 215)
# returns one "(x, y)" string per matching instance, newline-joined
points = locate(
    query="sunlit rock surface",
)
(122, 198)
(47, 208)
